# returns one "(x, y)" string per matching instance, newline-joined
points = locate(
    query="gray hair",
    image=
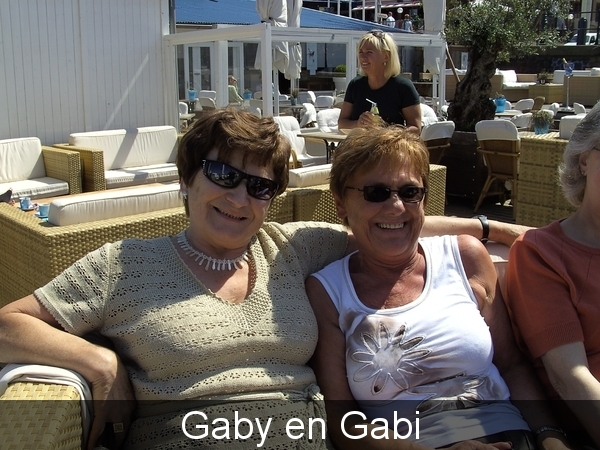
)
(585, 137)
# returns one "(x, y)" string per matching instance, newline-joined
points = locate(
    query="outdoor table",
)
(508, 113)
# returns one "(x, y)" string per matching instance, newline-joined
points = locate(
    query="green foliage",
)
(504, 28)
(541, 117)
(340, 68)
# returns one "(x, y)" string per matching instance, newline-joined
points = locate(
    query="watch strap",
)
(485, 225)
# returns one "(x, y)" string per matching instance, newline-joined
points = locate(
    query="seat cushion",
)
(142, 146)
(508, 76)
(37, 188)
(110, 204)
(21, 159)
(156, 173)
(310, 176)
(567, 125)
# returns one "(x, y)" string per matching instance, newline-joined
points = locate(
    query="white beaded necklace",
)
(211, 263)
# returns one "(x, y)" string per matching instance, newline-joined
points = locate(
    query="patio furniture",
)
(540, 197)
(36, 171)
(324, 102)
(119, 158)
(514, 86)
(307, 153)
(437, 139)
(36, 251)
(308, 115)
(307, 97)
(500, 145)
(428, 115)
(538, 102)
(327, 120)
(522, 121)
(184, 116)
(551, 91)
(578, 108)
(524, 105)
(206, 104)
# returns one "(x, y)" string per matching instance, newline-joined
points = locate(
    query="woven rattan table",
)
(539, 198)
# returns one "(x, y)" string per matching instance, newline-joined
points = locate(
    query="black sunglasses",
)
(377, 33)
(378, 194)
(229, 177)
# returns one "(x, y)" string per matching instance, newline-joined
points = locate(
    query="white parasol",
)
(434, 12)
(294, 8)
(274, 12)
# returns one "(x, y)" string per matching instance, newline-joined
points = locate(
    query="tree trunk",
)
(472, 99)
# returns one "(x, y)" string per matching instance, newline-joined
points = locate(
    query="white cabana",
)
(266, 34)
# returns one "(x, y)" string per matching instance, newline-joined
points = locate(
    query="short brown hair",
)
(229, 131)
(364, 149)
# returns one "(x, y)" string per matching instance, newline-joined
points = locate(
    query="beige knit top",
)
(177, 339)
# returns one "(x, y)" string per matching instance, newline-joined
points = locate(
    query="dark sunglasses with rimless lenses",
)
(229, 177)
(378, 194)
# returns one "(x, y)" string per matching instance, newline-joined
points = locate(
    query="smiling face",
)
(388, 230)
(372, 60)
(224, 220)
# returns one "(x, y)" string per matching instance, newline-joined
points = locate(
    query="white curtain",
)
(274, 12)
(294, 8)
(434, 12)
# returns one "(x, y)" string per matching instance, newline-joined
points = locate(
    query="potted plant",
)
(500, 101)
(247, 94)
(541, 120)
(494, 31)
(545, 77)
(339, 77)
(294, 97)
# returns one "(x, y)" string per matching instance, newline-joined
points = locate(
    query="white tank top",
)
(433, 355)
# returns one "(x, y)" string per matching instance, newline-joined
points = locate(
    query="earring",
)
(385, 63)
(184, 194)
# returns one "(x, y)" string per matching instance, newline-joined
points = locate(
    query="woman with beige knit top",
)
(217, 315)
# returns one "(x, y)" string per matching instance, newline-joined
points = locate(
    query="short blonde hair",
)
(384, 43)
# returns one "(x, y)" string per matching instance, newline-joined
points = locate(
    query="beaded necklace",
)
(211, 263)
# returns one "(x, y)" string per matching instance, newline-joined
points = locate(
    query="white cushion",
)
(138, 147)
(310, 176)
(132, 176)
(110, 204)
(508, 76)
(37, 188)
(567, 125)
(428, 115)
(518, 85)
(595, 72)
(21, 159)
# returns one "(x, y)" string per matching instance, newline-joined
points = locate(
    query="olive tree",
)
(495, 31)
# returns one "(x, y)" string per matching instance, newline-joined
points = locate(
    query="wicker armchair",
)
(39, 164)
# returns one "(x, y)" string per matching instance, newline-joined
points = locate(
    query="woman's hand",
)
(368, 119)
(114, 401)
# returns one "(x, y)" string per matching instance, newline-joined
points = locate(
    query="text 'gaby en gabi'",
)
(295, 428)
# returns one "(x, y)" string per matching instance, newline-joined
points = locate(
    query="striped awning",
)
(370, 5)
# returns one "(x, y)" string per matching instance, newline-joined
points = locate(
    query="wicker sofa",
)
(512, 87)
(38, 252)
(33, 170)
(118, 158)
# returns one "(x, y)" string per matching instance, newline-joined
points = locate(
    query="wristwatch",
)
(486, 227)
